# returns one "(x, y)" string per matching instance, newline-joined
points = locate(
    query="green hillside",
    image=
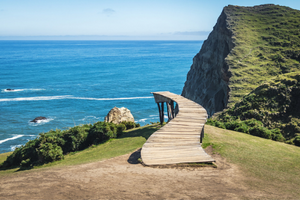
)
(267, 43)
(272, 108)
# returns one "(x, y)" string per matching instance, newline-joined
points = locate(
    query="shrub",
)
(49, 152)
(100, 132)
(260, 131)
(26, 163)
(220, 125)
(297, 141)
(75, 138)
(130, 125)
(211, 122)
(277, 136)
(242, 128)
(253, 122)
(52, 146)
(232, 125)
(120, 128)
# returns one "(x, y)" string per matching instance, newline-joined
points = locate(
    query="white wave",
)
(47, 98)
(108, 99)
(21, 90)
(40, 122)
(86, 118)
(13, 138)
(13, 147)
(142, 120)
(30, 135)
(41, 98)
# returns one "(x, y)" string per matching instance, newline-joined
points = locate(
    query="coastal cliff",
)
(207, 80)
(248, 45)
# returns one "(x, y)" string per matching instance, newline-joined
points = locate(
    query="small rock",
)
(38, 119)
(118, 115)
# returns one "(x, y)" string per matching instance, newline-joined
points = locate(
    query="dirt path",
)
(123, 178)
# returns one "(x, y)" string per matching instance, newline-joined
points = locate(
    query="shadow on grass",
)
(15, 168)
(145, 132)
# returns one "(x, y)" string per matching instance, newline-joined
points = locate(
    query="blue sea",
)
(78, 82)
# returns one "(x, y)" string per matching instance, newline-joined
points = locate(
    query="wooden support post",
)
(202, 135)
(172, 109)
(162, 113)
(176, 109)
(159, 112)
(169, 111)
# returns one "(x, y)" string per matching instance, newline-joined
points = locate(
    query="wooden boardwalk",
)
(179, 140)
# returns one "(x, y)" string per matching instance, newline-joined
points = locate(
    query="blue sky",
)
(115, 19)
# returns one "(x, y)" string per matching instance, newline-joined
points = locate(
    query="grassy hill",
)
(267, 165)
(267, 44)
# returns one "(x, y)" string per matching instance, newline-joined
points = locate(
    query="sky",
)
(116, 19)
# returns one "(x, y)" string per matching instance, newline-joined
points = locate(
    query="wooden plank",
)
(179, 140)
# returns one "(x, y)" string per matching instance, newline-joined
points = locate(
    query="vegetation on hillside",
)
(267, 44)
(270, 111)
(53, 145)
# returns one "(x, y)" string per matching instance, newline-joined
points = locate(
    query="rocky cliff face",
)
(248, 46)
(207, 80)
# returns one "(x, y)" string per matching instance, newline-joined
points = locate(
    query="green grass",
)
(128, 142)
(265, 163)
(267, 43)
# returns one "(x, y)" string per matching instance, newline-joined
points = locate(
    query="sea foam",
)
(47, 98)
(13, 138)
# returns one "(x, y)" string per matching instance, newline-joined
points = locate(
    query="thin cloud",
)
(108, 11)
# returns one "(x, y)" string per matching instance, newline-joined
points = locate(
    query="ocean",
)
(78, 82)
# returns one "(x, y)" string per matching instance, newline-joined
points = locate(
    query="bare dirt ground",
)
(124, 178)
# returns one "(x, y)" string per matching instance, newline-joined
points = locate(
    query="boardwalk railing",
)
(179, 140)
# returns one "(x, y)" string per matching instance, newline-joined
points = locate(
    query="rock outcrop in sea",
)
(37, 119)
(118, 115)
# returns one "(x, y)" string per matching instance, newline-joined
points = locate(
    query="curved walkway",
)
(179, 140)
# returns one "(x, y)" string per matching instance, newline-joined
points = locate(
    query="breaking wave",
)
(47, 98)
(13, 138)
